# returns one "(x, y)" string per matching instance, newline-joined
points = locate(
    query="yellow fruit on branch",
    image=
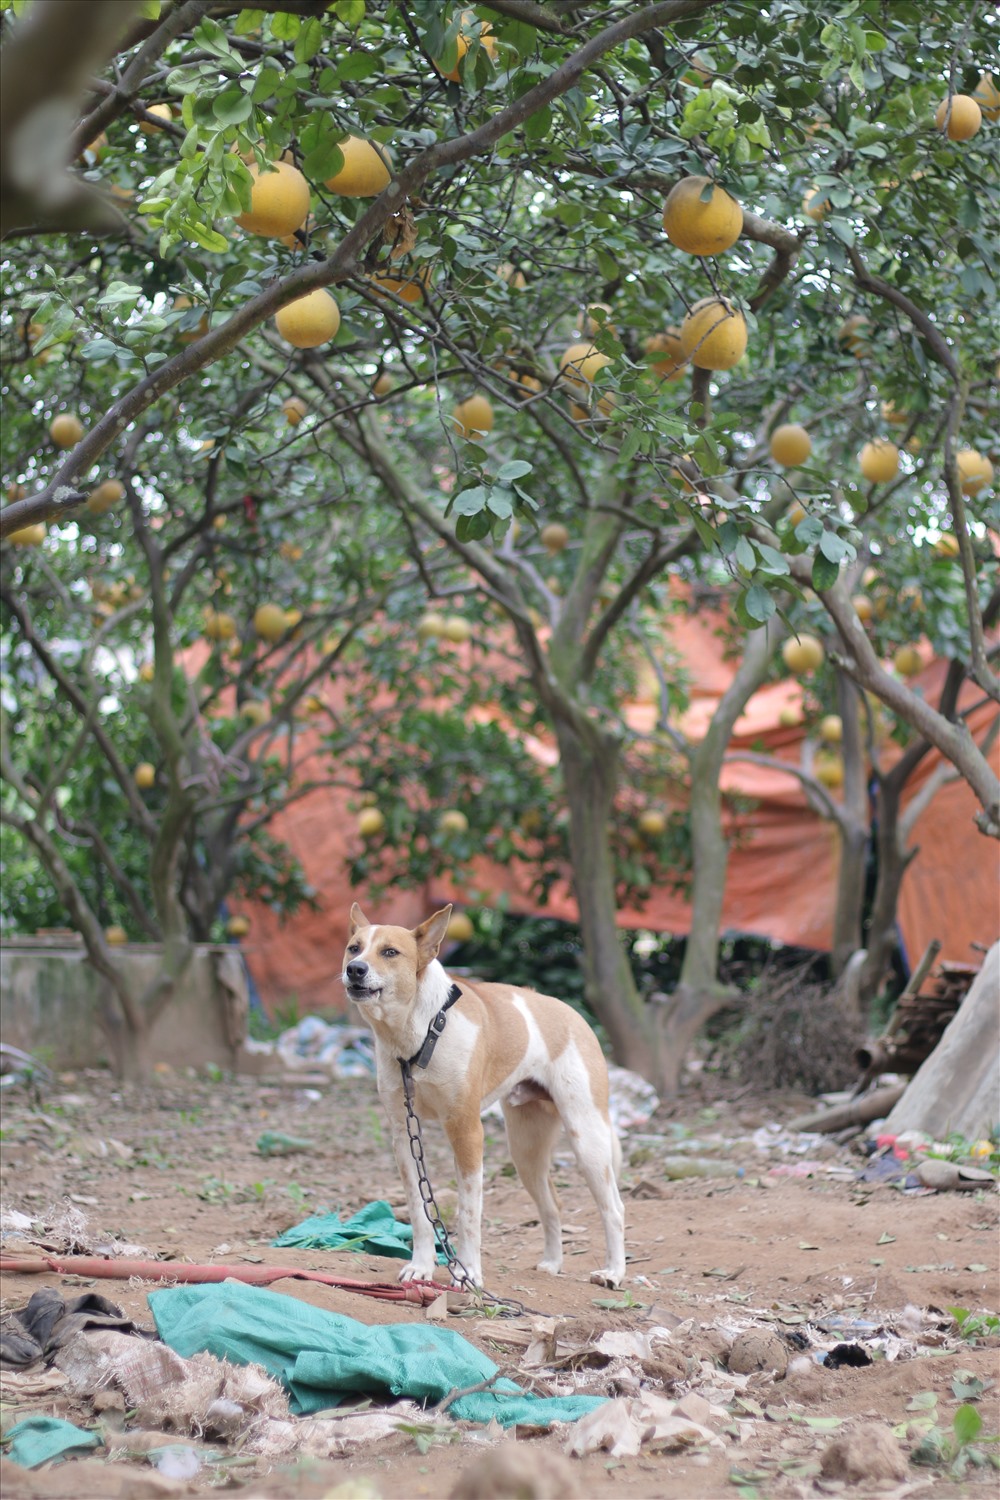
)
(816, 205)
(486, 40)
(831, 729)
(879, 461)
(789, 718)
(987, 96)
(270, 622)
(219, 626)
(159, 112)
(554, 537)
(714, 334)
(974, 470)
(907, 661)
(863, 607)
(370, 822)
(452, 822)
(115, 937)
(190, 335)
(279, 200)
(409, 288)
(105, 496)
(430, 626)
(367, 169)
(595, 316)
(797, 514)
(829, 771)
(791, 445)
(697, 226)
(854, 334)
(309, 321)
(959, 117)
(665, 354)
(457, 629)
(580, 363)
(892, 416)
(383, 385)
(145, 775)
(652, 823)
(256, 711)
(28, 536)
(237, 927)
(460, 928)
(66, 430)
(147, 672)
(802, 653)
(473, 417)
(294, 409)
(514, 278)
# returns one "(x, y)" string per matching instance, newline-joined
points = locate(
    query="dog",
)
(533, 1053)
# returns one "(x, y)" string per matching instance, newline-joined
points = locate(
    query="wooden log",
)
(855, 1112)
(957, 1090)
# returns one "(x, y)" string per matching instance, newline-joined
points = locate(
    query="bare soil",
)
(174, 1168)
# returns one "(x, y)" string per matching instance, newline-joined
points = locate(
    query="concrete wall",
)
(51, 1002)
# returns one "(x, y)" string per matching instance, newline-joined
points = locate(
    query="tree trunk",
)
(699, 995)
(853, 830)
(957, 1090)
(892, 864)
(590, 775)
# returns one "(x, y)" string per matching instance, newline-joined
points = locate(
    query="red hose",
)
(122, 1269)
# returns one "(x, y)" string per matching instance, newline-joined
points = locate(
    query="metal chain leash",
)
(507, 1307)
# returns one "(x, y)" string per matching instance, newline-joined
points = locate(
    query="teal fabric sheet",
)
(36, 1440)
(322, 1358)
(374, 1229)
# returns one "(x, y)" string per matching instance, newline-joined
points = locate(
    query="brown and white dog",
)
(531, 1052)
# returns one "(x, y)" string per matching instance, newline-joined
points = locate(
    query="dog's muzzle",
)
(357, 983)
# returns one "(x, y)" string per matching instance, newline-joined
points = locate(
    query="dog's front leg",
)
(422, 1266)
(465, 1135)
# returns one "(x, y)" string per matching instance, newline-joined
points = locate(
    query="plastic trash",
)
(676, 1167)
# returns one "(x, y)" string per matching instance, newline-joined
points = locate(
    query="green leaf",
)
(834, 547)
(824, 573)
(284, 28)
(745, 556)
(538, 125)
(472, 528)
(351, 12)
(705, 532)
(514, 468)
(630, 446)
(759, 604)
(205, 236)
(501, 503)
(232, 107)
(247, 22)
(771, 560)
(470, 502)
(967, 1424)
(355, 66)
(309, 40)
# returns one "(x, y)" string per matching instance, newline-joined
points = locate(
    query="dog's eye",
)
(354, 947)
(390, 952)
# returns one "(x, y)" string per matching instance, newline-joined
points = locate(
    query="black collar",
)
(421, 1058)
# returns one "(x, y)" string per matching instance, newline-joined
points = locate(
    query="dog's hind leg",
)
(532, 1131)
(598, 1154)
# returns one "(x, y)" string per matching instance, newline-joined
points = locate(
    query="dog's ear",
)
(358, 919)
(430, 935)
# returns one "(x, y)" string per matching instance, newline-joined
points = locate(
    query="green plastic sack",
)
(36, 1440)
(374, 1230)
(322, 1358)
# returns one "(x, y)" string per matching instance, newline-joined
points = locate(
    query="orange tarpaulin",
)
(782, 869)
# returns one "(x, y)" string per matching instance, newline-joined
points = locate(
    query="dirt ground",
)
(175, 1169)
